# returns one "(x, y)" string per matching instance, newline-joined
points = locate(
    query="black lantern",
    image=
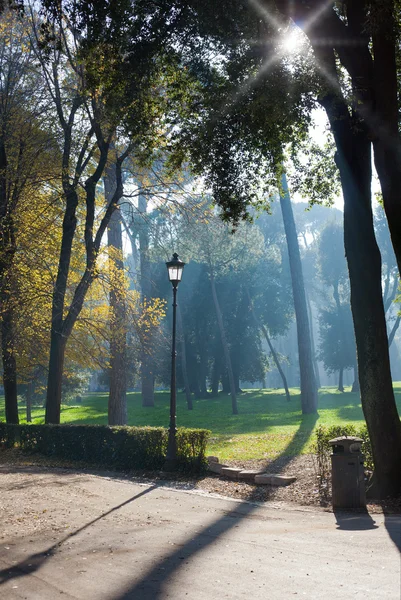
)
(175, 268)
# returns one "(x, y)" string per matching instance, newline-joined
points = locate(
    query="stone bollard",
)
(347, 473)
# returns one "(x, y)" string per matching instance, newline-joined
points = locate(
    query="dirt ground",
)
(307, 490)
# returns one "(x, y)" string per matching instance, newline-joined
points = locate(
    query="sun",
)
(291, 41)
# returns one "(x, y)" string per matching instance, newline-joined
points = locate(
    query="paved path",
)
(70, 535)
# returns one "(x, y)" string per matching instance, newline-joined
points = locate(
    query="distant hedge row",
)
(118, 447)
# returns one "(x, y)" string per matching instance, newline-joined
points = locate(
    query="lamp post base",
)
(171, 455)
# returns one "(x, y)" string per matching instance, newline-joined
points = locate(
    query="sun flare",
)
(291, 42)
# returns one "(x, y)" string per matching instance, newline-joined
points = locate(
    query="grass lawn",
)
(266, 426)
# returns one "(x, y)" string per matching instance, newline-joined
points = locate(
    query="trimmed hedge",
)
(118, 447)
(324, 434)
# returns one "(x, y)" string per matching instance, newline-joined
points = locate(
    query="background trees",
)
(214, 85)
(337, 348)
(28, 153)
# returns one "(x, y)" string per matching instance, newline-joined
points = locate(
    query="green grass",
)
(267, 425)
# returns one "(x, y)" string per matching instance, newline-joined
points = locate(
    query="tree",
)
(117, 405)
(26, 149)
(337, 337)
(390, 271)
(241, 140)
(337, 343)
(310, 220)
(247, 274)
(147, 360)
(228, 134)
(88, 118)
(309, 396)
(363, 38)
(38, 218)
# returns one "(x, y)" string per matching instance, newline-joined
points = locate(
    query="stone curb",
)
(256, 476)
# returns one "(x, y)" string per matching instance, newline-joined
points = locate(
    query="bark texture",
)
(62, 326)
(147, 361)
(9, 362)
(309, 397)
(7, 253)
(364, 265)
(372, 115)
(224, 343)
(312, 337)
(185, 377)
(117, 405)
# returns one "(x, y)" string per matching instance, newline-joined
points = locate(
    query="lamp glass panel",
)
(175, 273)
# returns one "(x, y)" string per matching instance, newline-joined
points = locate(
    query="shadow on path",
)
(393, 526)
(172, 562)
(354, 521)
(152, 584)
(35, 561)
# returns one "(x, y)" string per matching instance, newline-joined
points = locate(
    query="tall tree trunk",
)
(203, 363)
(216, 372)
(271, 348)
(29, 394)
(355, 385)
(373, 116)
(9, 361)
(8, 249)
(341, 379)
(312, 338)
(394, 330)
(61, 327)
(225, 384)
(336, 296)
(309, 397)
(7, 253)
(236, 382)
(57, 340)
(364, 264)
(224, 343)
(54, 380)
(117, 405)
(147, 361)
(385, 134)
(188, 394)
(276, 362)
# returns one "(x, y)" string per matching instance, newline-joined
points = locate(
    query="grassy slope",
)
(266, 426)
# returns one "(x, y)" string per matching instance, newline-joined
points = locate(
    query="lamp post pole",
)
(171, 458)
(175, 268)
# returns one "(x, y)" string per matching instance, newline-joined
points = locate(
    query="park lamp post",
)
(175, 268)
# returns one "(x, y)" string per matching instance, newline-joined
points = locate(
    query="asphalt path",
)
(75, 535)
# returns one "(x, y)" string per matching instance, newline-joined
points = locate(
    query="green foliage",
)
(266, 426)
(117, 447)
(337, 341)
(247, 269)
(333, 266)
(324, 434)
(314, 174)
(75, 383)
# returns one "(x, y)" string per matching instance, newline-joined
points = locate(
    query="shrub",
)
(322, 448)
(118, 447)
(322, 451)
(325, 434)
